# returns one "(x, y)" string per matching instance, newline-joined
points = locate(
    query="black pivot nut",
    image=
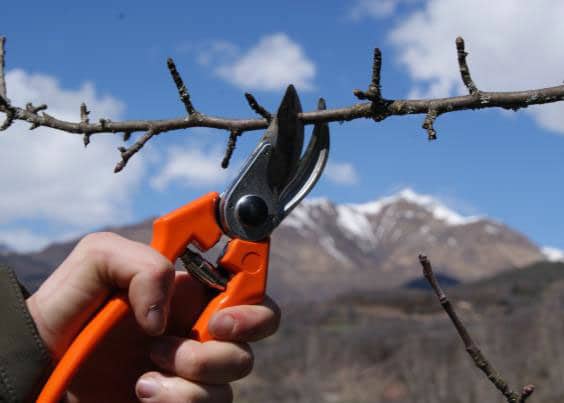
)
(252, 211)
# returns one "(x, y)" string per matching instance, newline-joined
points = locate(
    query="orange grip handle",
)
(114, 310)
(248, 262)
(192, 223)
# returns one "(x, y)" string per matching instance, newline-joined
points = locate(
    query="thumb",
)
(100, 264)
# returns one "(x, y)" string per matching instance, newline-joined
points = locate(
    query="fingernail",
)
(222, 325)
(156, 319)
(162, 352)
(147, 387)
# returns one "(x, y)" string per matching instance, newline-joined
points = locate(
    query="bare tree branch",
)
(473, 351)
(377, 109)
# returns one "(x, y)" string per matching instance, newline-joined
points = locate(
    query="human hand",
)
(151, 346)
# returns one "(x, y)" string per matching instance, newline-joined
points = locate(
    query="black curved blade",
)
(286, 134)
(310, 166)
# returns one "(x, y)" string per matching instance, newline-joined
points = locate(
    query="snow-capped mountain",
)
(323, 249)
(353, 246)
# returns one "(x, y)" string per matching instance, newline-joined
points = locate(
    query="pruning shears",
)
(272, 182)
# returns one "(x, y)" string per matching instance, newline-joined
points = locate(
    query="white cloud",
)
(49, 176)
(191, 167)
(341, 173)
(22, 239)
(273, 63)
(218, 52)
(373, 9)
(505, 54)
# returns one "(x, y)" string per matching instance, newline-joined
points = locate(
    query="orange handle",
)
(193, 223)
(248, 262)
(114, 310)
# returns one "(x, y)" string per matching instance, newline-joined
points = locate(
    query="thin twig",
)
(182, 90)
(255, 106)
(321, 104)
(35, 109)
(374, 89)
(463, 66)
(5, 105)
(84, 112)
(477, 356)
(127, 153)
(429, 122)
(3, 91)
(231, 144)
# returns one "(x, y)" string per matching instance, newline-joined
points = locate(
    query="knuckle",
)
(160, 267)
(94, 246)
(161, 274)
(98, 237)
(157, 265)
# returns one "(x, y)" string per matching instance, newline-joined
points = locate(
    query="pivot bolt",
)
(252, 211)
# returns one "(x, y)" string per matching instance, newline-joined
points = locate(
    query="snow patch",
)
(353, 221)
(320, 202)
(553, 254)
(306, 214)
(300, 219)
(434, 206)
(490, 229)
(329, 244)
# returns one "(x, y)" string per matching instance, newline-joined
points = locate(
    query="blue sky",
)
(505, 165)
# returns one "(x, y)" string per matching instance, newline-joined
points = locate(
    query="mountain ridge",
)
(323, 249)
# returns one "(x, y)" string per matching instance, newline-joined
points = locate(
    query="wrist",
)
(47, 336)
